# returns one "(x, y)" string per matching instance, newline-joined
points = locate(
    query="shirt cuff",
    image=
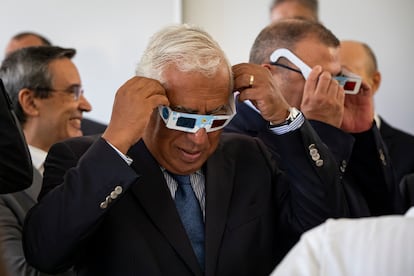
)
(126, 158)
(292, 126)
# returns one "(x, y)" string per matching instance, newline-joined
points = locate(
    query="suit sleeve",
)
(315, 191)
(70, 212)
(11, 224)
(15, 161)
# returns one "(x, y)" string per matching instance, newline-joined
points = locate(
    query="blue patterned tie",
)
(191, 216)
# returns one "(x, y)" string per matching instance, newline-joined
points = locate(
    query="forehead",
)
(196, 90)
(353, 56)
(313, 53)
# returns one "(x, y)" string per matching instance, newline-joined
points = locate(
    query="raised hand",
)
(263, 93)
(133, 105)
(359, 110)
(323, 98)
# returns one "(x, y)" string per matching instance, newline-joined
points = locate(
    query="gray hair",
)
(29, 68)
(187, 47)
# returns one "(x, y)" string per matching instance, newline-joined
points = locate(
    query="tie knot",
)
(182, 179)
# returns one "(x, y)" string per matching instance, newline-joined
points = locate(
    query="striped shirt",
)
(197, 183)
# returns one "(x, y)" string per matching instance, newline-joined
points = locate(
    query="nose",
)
(198, 138)
(84, 104)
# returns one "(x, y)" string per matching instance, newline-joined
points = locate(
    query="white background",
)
(109, 37)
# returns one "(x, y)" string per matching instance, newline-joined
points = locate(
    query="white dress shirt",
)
(374, 246)
(38, 158)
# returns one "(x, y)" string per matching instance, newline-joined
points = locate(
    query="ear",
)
(376, 81)
(27, 101)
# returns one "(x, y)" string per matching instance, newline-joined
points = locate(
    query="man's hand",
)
(323, 98)
(264, 93)
(359, 110)
(134, 103)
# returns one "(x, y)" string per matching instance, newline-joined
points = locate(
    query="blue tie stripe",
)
(190, 213)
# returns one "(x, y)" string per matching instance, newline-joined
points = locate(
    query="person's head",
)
(26, 39)
(310, 41)
(299, 9)
(359, 58)
(45, 88)
(197, 78)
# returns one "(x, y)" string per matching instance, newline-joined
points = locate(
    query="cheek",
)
(214, 138)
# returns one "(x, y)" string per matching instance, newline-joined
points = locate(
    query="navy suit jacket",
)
(400, 148)
(91, 127)
(362, 164)
(250, 206)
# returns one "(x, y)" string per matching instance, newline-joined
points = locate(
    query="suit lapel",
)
(34, 190)
(152, 192)
(219, 178)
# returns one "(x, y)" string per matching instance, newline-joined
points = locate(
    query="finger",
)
(312, 81)
(326, 84)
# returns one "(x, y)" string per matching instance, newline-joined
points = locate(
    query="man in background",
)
(27, 39)
(300, 9)
(344, 122)
(359, 58)
(46, 93)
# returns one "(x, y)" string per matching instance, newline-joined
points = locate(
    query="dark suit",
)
(249, 207)
(400, 148)
(15, 161)
(407, 188)
(91, 127)
(13, 210)
(361, 162)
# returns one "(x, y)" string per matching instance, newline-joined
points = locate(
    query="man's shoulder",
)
(81, 140)
(75, 144)
(392, 132)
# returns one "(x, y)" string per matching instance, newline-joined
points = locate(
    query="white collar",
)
(38, 158)
(377, 120)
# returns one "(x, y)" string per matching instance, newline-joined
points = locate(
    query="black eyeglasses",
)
(286, 67)
(76, 91)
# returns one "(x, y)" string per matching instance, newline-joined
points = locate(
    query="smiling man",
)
(46, 93)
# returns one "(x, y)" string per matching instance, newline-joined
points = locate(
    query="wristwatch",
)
(293, 114)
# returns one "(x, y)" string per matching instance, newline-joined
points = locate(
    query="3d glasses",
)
(188, 122)
(349, 81)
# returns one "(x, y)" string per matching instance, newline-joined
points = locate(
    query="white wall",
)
(109, 37)
(387, 26)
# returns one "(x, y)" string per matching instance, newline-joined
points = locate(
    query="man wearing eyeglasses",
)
(46, 93)
(163, 191)
(303, 59)
(28, 39)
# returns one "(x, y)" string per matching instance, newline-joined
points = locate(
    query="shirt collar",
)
(377, 120)
(38, 158)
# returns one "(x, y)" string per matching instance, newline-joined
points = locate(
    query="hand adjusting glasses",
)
(193, 122)
(349, 81)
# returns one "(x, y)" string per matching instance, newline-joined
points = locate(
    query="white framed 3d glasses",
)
(188, 122)
(349, 81)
